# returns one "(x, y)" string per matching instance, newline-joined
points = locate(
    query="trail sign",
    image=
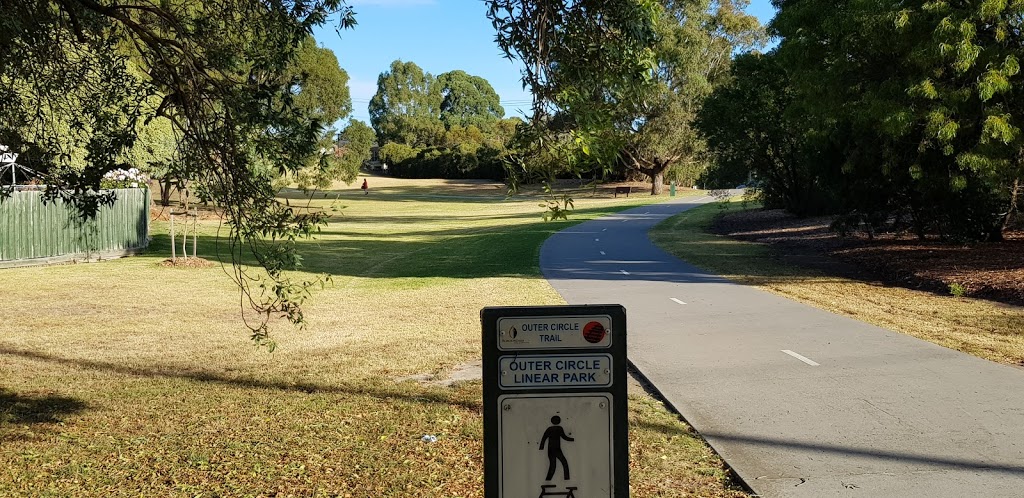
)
(555, 402)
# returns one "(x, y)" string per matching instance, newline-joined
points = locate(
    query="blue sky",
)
(439, 36)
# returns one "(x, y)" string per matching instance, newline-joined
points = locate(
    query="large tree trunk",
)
(657, 174)
(165, 191)
(657, 182)
(654, 168)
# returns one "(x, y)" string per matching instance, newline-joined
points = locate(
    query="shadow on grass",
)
(206, 377)
(23, 409)
(846, 451)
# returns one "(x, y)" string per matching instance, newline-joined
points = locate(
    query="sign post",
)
(555, 419)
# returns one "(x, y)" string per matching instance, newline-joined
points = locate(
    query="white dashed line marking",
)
(597, 240)
(676, 300)
(602, 253)
(604, 229)
(801, 358)
(624, 272)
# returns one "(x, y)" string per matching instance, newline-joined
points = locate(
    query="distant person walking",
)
(365, 187)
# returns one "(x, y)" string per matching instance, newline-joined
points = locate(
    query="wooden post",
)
(195, 230)
(173, 256)
(184, 238)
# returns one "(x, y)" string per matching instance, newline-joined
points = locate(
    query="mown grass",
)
(982, 328)
(127, 378)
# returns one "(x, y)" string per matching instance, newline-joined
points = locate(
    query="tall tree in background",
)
(580, 57)
(216, 70)
(321, 85)
(406, 107)
(355, 143)
(468, 100)
(696, 41)
(321, 95)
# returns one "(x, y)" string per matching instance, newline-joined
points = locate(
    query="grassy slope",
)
(126, 378)
(974, 326)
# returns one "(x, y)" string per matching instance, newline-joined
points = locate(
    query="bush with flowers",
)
(120, 178)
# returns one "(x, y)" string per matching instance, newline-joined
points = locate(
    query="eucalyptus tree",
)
(696, 41)
(407, 106)
(468, 100)
(580, 57)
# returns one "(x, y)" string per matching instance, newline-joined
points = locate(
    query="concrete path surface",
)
(799, 401)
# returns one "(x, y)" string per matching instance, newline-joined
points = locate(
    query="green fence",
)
(32, 232)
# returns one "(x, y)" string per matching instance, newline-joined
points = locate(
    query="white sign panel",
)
(554, 371)
(8, 157)
(555, 445)
(548, 332)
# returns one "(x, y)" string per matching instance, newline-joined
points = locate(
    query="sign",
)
(555, 420)
(562, 332)
(561, 441)
(8, 157)
(555, 371)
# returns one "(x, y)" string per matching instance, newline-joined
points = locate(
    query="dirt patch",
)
(990, 270)
(463, 373)
(188, 263)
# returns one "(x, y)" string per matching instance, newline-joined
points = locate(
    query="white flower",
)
(135, 185)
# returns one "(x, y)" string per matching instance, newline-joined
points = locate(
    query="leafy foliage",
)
(904, 115)
(450, 126)
(581, 59)
(217, 70)
(696, 40)
(406, 107)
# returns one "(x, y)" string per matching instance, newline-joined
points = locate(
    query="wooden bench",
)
(623, 190)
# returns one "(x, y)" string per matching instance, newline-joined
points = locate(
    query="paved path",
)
(799, 401)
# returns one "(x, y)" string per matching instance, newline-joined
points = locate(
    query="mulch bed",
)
(990, 270)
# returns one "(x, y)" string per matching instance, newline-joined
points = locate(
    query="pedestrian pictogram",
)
(553, 437)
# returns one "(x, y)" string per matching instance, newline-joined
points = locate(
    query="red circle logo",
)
(594, 332)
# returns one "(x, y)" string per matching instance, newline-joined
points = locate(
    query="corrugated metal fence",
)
(32, 232)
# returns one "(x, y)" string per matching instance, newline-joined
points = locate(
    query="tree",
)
(406, 107)
(580, 58)
(746, 125)
(696, 43)
(355, 143)
(217, 70)
(321, 96)
(468, 100)
(321, 91)
(920, 100)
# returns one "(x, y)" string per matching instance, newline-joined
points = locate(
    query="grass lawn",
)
(982, 328)
(127, 378)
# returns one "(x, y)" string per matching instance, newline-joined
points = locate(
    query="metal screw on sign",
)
(504, 372)
(601, 405)
(508, 407)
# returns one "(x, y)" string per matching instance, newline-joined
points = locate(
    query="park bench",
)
(623, 190)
